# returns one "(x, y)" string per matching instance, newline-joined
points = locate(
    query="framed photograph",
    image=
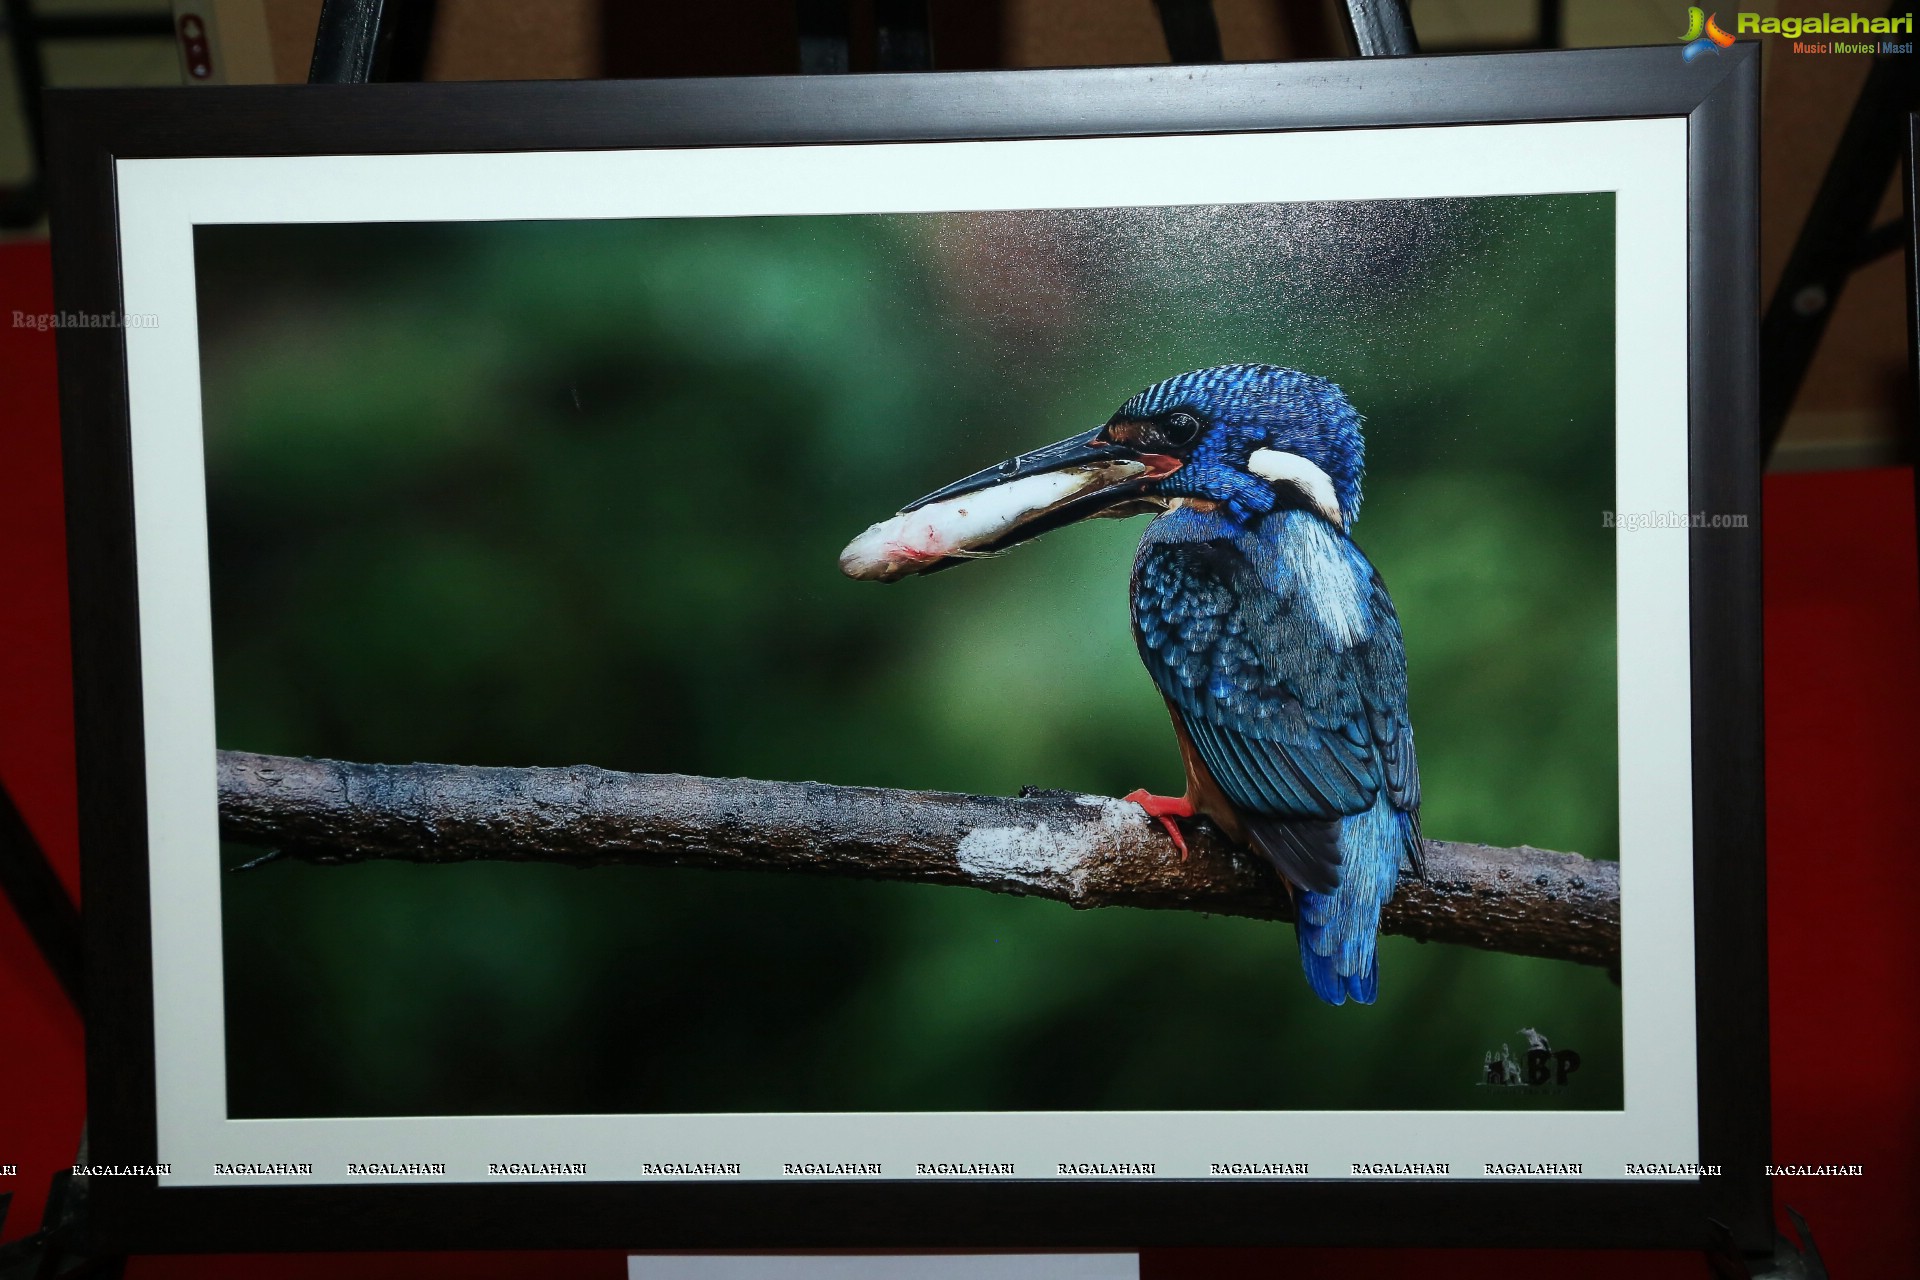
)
(552, 772)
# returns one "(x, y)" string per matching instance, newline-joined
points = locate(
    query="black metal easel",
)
(1838, 237)
(28, 881)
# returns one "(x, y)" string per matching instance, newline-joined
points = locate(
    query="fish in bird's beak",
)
(1005, 505)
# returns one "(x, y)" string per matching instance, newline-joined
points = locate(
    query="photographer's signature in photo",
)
(1541, 1067)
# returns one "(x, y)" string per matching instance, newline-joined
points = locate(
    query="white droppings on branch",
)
(1115, 815)
(1043, 858)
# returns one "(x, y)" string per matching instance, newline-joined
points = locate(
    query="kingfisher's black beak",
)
(1075, 451)
(992, 510)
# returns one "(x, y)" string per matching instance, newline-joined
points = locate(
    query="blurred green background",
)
(548, 493)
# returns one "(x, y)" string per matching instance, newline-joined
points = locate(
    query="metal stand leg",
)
(50, 1253)
(1834, 241)
(347, 44)
(1788, 1261)
(39, 899)
(1381, 28)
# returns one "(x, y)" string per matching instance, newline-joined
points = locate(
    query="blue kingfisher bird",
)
(1267, 631)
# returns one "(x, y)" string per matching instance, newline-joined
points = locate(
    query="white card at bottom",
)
(918, 1266)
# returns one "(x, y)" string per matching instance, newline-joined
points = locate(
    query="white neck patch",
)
(1277, 465)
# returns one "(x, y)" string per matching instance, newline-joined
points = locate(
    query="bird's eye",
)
(1180, 429)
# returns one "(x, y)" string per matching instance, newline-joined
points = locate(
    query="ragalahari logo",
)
(1703, 34)
(1706, 35)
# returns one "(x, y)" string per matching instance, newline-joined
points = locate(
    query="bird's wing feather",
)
(1300, 723)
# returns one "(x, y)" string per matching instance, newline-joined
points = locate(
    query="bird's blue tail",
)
(1337, 930)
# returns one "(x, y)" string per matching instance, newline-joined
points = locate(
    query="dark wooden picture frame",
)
(90, 131)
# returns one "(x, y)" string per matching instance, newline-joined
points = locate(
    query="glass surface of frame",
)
(472, 441)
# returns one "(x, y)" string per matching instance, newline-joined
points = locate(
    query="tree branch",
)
(1085, 851)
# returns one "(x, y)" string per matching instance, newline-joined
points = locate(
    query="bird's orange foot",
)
(1163, 810)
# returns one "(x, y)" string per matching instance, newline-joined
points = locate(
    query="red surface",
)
(40, 1045)
(1843, 697)
(1843, 692)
